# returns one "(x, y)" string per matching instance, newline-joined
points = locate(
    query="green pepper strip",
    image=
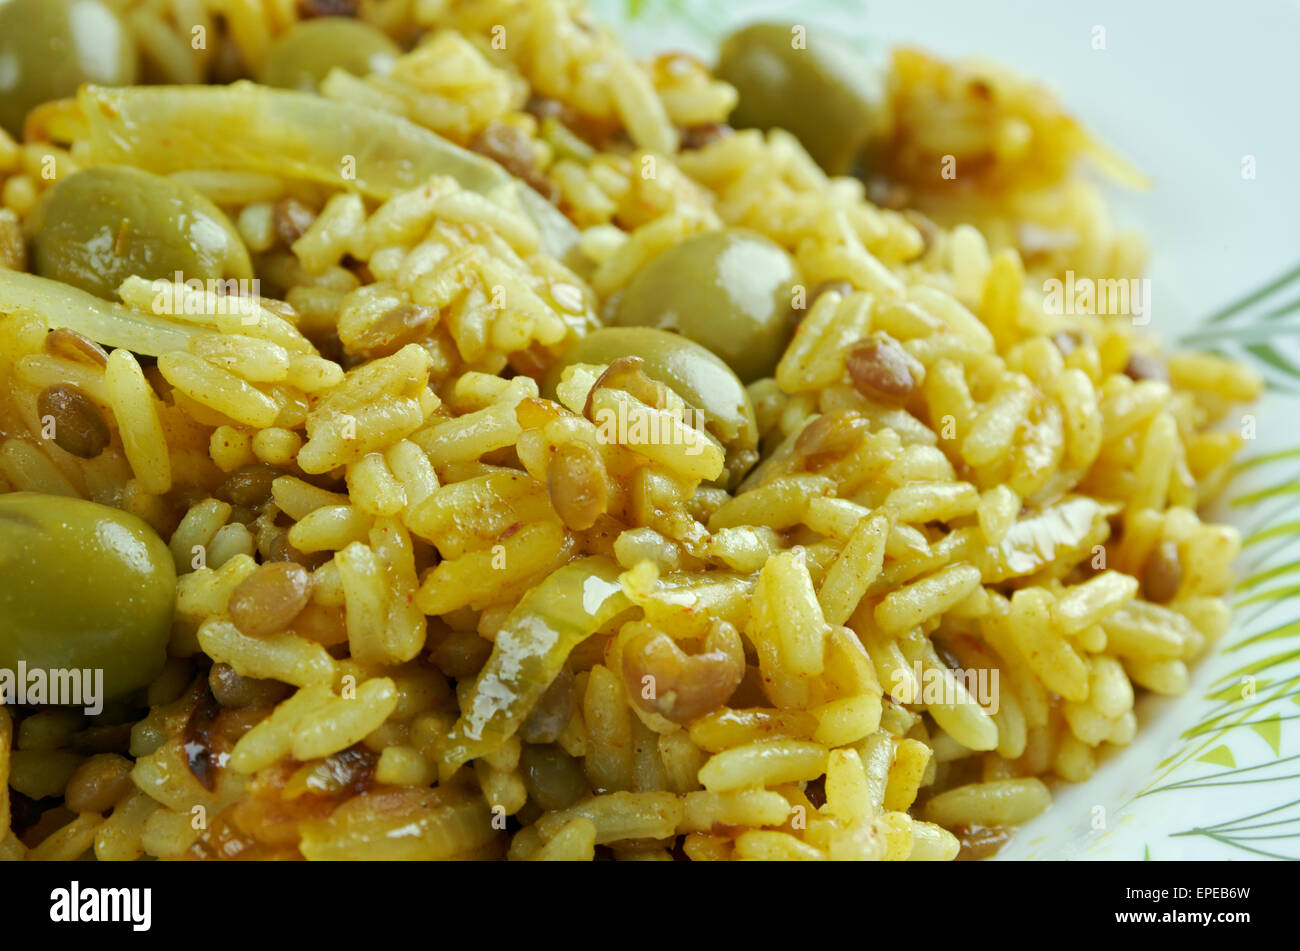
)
(553, 618)
(247, 127)
(105, 322)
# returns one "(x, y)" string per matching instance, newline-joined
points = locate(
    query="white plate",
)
(1195, 93)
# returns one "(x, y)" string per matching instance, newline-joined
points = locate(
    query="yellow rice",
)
(1000, 521)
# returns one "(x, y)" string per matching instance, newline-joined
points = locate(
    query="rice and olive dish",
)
(429, 432)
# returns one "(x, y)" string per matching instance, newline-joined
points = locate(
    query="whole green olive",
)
(699, 377)
(729, 291)
(810, 84)
(307, 51)
(50, 47)
(85, 586)
(99, 226)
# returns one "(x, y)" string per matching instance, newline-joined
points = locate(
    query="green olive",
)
(729, 291)
(699, 377)
(102, 225)
(307, 51)
(810, 84)
(85, 586)
(50, 47)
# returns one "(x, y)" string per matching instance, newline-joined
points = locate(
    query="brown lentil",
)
(980, 842)
(291, 218)
(1162, 575)
(71, 345)
(626, 374)
(249, 486)
(553, 778)
(243, 515)
(79, 426)
(686, 686)
(576, 482)
(511, 148)
(881, 369)
(828, 436)
(394, 329)
(461, 654)
(267, 601)
(99, 783)
(233, 690)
